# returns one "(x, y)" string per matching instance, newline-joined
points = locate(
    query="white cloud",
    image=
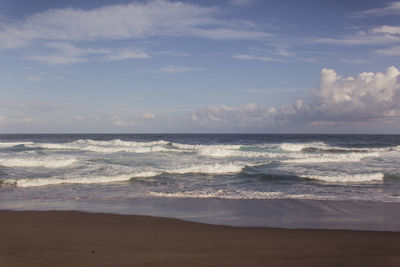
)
(125, 54)
(354, 60)
(390, 9)
(367, 98)
(260, 58)
(56, 59)
(23, 118)
(67, 53)
(122, 22)
(380, 35)
(360, 39)
(175, 69)
(224, 33)
(172, 53)
(124, 123)
(391, 51)
(272, 90)
(41, 107)
(242, 2)
(148, 116)
(387, 29)
(225, 116)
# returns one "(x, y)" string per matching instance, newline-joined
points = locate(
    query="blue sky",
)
(199, 66)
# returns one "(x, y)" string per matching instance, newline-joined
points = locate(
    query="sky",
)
(232, 66)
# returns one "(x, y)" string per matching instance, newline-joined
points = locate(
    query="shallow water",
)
(281, 213)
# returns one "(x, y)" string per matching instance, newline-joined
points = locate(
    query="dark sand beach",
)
(66, 238)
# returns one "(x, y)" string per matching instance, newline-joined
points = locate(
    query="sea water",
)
(100, 167)
(317, 181)
(103, 167)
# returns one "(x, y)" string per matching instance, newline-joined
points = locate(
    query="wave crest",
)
(348, 178)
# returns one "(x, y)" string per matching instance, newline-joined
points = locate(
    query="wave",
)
(217, 168)
(348, 178)
(294, 147)
(297, 151)
(322, 158)
(33, 182)
(318, 147)
(225, 194)
(46, 162)
(12, 144)
(109, 147)
(235, 194)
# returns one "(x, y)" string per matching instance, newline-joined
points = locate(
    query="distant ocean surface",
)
(165, 166)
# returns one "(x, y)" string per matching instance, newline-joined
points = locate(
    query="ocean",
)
(197, 168)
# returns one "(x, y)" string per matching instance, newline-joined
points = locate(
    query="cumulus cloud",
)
(122, 22)
(366, 98)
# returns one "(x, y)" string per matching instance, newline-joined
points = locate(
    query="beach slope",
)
(65, 238)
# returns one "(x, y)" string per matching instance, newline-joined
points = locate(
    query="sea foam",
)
(46, 162)
(32, 182)
(348, 178)
(321, 158)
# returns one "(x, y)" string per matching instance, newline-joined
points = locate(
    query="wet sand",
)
(68, 238)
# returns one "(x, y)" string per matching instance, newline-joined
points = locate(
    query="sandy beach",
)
(65, 238)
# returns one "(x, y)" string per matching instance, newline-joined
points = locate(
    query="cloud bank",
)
(367, 98)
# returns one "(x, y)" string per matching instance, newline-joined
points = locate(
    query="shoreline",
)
(272, 213)
(61, 238)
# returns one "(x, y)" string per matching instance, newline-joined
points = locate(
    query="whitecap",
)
(320, 158)
(348, 178)
(33, 182)
(46, 162)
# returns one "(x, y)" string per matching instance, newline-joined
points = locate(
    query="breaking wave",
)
(211, 150)
(321, 158)
(225, 194)
(216, 168)
(78, 180)
(229, 168)
(46, 162)
(348, 178)
(235, 194)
